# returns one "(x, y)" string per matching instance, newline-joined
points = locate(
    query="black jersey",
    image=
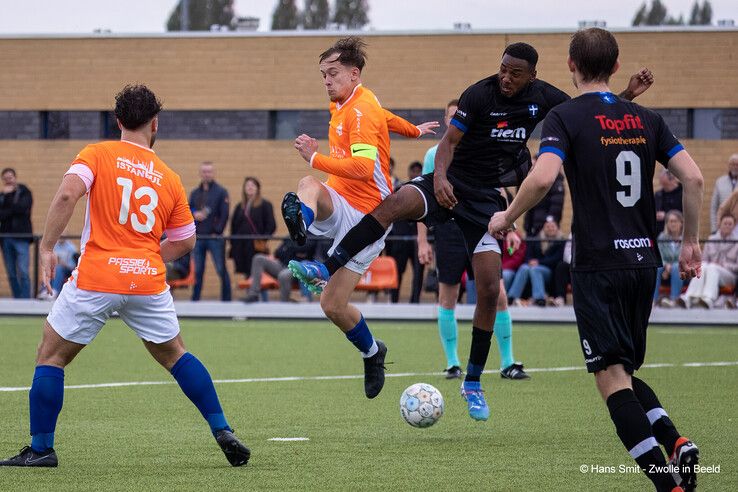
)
(610, 147)
(493, 151)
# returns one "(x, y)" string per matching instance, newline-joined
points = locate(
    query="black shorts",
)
(472, 212)
(451, 254)
(612, 310)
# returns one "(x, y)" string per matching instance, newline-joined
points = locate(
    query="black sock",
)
(478, 353)
(366, 232)
(663, 428)
(635, 433)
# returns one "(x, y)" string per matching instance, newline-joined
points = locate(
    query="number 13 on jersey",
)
(147, 210)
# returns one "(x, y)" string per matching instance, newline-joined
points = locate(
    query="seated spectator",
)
(670, 244)
(730, 207)
(252, 216)
(540, 260)
(179, 268)
(669, 197)
(276, 266)
(719, 268)
(562, 277)
(511, 263)
(724, 186)
(66, 261)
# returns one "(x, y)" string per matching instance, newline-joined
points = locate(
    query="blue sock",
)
(308, 216)
(46, 398)
(196, 383)
(503, 335)
(449, 333)
(362, 338)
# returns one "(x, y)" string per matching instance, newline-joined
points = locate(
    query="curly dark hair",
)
(523, 51)
(136, 105)
(351, 52)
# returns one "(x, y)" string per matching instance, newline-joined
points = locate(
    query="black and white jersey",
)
(493, 151)
(610, 147)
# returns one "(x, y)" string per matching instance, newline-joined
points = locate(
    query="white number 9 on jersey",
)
(147, 210)
(632, 180)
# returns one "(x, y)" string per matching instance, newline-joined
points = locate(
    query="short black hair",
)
(415, 165)
(351, 52)
(523, 51)
(8, 170)
(595, 52)
(136, 105)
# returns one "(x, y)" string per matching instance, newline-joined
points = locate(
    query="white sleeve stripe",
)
(84, 172)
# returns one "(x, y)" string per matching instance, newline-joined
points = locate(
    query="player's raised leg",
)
(195, 381)
(299, 210)
(45, 399)
(335, 304)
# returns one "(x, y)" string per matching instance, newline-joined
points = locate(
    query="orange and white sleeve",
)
(85, 166)
(181, 224)
(401, 126)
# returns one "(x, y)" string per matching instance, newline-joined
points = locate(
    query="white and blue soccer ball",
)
(421, 405)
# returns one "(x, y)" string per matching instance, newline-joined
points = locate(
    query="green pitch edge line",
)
(361, 376)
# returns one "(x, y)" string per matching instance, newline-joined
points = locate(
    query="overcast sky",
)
(149, 16)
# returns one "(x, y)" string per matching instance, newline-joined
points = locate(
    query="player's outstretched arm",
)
(401, 126)
(688, 173)
(532, 191)
(72, 188)
(638, 84)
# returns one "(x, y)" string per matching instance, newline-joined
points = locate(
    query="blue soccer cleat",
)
(473, 393)
(313, 274)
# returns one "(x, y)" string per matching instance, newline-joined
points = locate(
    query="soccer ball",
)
(421, 405)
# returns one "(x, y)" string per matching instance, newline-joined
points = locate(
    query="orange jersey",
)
(359, 143)
(132, 199)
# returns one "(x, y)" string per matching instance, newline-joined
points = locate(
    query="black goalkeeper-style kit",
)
(610, 147)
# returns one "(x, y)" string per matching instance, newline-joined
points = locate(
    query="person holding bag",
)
(255, 216)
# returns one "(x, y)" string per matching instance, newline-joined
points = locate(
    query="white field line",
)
(361, 376)
(288, 439)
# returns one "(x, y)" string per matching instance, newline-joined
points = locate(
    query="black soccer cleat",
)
(374, 371)
(292, 215)
(29, 457)
(514, 371)
(234, 450)
(685, 458)
(454, 372)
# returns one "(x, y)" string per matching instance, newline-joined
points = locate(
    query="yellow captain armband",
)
(364, 150)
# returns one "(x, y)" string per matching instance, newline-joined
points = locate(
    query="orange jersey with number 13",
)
(133, 198)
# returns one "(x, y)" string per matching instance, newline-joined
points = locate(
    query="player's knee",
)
(502, 300)
(308, 183)
(332, 307)
(488, 292)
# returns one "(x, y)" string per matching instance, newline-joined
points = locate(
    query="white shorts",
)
(343, 218)
(78, 315)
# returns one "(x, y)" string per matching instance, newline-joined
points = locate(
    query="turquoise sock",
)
(448, 330)
(503, 335)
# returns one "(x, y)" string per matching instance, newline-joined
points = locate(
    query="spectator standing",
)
(669, 197)
(255, 216)
(552, 205)
(542, 256)
(16, 202)
(209, 203)
(670, 243)
(724, 186)
(719, 267)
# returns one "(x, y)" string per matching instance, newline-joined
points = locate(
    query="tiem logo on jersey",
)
(628, 122)
(502, 131)
(140, 169)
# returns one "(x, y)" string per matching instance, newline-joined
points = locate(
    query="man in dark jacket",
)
(16, 201)
(209, 204)
(669, 197)
(552, 205)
